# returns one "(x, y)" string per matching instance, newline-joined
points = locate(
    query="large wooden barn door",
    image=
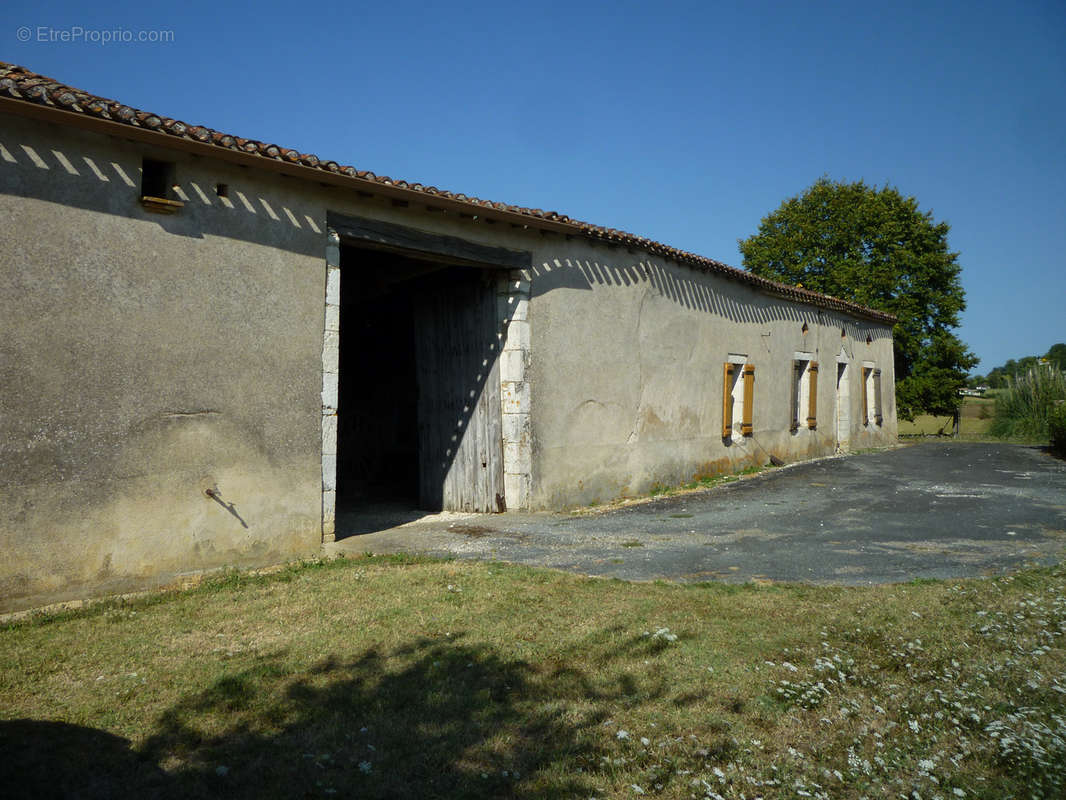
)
(459, 416)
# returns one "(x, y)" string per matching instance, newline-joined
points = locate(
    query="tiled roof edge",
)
(19, 83)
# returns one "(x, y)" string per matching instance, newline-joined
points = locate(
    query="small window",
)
(738, 397)
(729, 377)
(871, 395)
(157, 187)
(878, 418)
(156, 179)
(867, 372)
(803, 396)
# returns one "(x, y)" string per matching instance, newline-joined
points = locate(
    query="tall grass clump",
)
(1025, 406)
(1057, 428)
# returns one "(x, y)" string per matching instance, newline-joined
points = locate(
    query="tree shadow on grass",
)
(434, 718)
(44, 759)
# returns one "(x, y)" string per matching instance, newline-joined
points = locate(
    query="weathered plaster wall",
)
(626, 374)
(615, 365)
(612, 368)
(146, 358)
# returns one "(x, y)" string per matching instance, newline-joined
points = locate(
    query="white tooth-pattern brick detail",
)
(513, 317)
(330, 381)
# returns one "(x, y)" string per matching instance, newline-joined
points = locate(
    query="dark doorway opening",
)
(419, 405)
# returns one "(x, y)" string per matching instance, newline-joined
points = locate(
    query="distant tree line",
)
(998, 377)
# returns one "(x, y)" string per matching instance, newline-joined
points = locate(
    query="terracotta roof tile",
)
(19, 83)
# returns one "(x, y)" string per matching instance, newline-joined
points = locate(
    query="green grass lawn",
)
(974, 421)
(379, 677)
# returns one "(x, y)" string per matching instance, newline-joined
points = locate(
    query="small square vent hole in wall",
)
(157, 182)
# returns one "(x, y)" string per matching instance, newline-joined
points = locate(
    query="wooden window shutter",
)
(812, 406)
(877, 397)
(794, 395)
(865, 399)
(727, 401)
(746, 426)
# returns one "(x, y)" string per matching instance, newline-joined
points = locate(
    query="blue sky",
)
(683, 122)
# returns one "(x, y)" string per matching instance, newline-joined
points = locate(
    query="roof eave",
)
(485, 211)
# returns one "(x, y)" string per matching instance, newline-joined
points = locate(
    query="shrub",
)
(1056, 423)
(1025, 406)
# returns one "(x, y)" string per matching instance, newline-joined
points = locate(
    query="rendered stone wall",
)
(626, 374)
(146, 359)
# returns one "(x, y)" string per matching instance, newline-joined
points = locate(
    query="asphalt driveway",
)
(928, 510)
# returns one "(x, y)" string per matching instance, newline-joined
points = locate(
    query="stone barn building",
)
(209, 345)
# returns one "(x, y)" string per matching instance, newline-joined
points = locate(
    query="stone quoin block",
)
(329, 434)
(513, 365)
(516, 488)
(517, 337)
(515, 397)
(331, 352)
(333, 318)
(517, 458)
(333, 286)
(329, 506)
(516, 428)
(329, 472)
(329, 391)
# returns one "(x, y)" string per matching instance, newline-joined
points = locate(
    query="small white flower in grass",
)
(365, 767)
(958, 792)
(662, 634)
(644, 740)
(718, 773)
(913, 725)
(636, 789)
(622, 735)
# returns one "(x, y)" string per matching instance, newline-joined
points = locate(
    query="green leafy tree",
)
(876, 247)
(1057, 355)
